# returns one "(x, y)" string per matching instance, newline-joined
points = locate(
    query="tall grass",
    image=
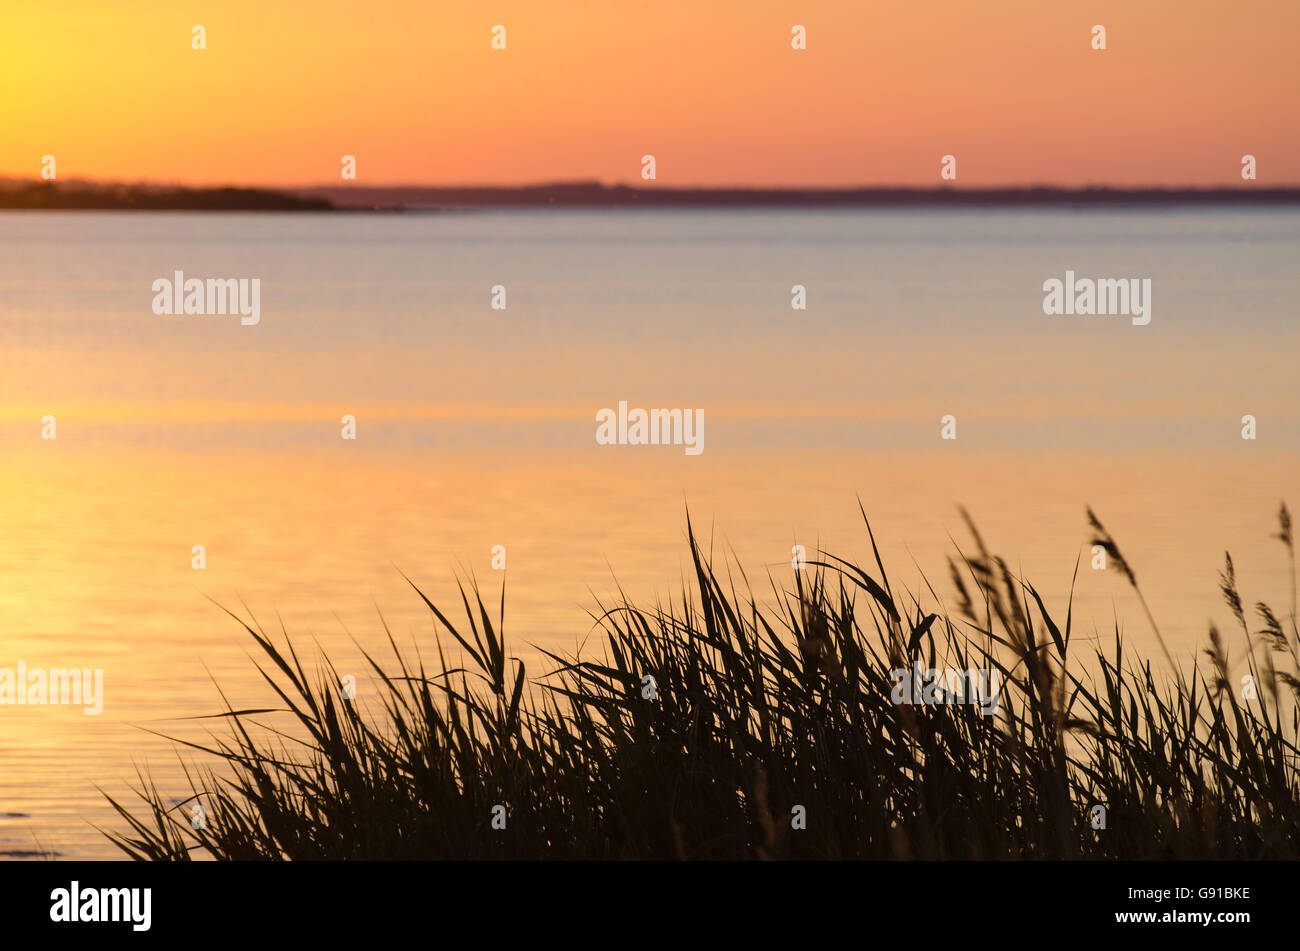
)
(762, 705)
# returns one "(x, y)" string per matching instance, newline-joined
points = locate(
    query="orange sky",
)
(714, 91)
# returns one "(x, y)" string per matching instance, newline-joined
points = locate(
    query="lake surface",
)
(475, 427)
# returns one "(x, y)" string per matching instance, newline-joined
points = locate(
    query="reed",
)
(761, 705)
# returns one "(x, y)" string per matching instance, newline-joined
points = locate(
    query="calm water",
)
(475, 428)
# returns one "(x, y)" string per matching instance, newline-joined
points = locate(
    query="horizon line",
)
(36, 194)
(598, 183)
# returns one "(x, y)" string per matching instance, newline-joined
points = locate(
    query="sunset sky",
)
(1012, 88)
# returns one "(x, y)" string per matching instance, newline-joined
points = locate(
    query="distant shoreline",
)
(89, 196)
(85, 196)
(595, 195)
